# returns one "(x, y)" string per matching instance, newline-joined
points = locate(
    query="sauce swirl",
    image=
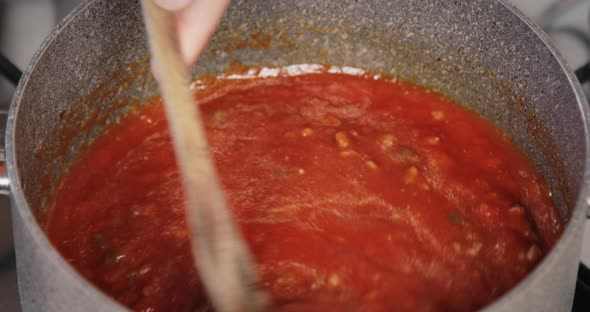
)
(354, 194)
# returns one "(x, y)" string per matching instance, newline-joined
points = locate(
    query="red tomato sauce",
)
(354, 194)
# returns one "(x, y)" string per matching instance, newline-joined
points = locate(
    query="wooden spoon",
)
(219, 250)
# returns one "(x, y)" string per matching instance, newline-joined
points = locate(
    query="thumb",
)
(196, 24)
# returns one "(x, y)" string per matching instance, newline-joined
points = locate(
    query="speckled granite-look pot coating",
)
(483, 53)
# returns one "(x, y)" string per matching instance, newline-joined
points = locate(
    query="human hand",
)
(196, 22)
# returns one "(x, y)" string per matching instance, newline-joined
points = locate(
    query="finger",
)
(155, 70)
(172, 5)
(196, 24)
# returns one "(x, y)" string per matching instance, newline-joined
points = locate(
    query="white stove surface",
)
(15, 24)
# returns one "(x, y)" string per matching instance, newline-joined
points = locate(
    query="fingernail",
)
(172, 5)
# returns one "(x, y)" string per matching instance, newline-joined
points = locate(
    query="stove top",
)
(566, 21)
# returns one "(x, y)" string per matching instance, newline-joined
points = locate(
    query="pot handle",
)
(13, 75)
(583, 75)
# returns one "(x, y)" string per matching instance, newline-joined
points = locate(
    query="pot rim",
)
(580, 212)
(21, 206)
(19, 203)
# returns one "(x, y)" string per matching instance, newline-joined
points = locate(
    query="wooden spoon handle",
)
(219, 250)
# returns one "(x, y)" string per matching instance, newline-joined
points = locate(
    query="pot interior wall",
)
(476, 52)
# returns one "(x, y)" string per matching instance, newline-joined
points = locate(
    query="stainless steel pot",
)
(483, 53)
